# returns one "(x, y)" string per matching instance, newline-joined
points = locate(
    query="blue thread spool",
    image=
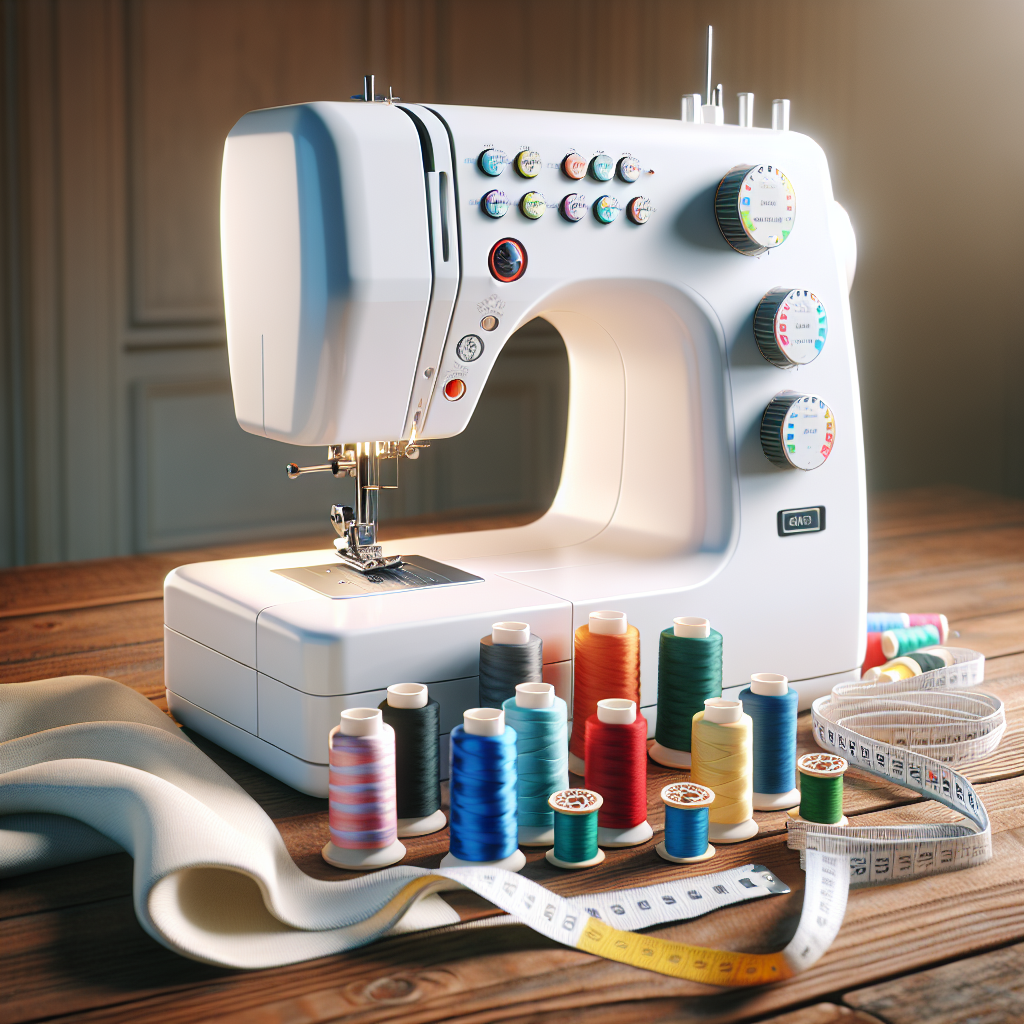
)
(686, 823)
(482, 793)
(772, 707)
(542, 744)
(879, 622)
(575, 815)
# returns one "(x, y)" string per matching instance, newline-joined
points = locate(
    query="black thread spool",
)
(509, 656)
(416, 720)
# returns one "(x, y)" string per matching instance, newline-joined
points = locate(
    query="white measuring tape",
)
(910, 732)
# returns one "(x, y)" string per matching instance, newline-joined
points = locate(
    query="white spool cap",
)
(362, 722)
(722, 711)
(484, 721)
(535, 695)
(616, 711)
(514, 633)
(608, 623)
(687, 625)
(768, 684)
(407, 695)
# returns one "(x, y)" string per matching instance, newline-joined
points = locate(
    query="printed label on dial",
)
(574, 166)
(529, 163)
(629, 169)
(492, 162)
(801, 326)
(495, 203)
(767, 205)
(573, 207)
(639, 209)
(808, 432)
(532, 205)
(606, 209)
(602, 167)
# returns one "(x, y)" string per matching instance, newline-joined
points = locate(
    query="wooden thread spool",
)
(686, 823)
(821, 789)
(575, 813)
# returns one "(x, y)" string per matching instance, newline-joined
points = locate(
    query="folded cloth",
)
(89, 767)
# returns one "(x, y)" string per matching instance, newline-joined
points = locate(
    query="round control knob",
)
(629, 169)
(454, 389)
(574, 166)
(573, 207)
(606, 209)
(639, 209)
(755, 208)
(507, 260)
(602, 167)
(790, 326)
(492, 162)
(532, 205)
(495, 204)
(797, 431)
(528, 163)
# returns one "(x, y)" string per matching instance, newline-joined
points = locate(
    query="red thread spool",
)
(606, 664)
(874, 654)
(616, 756)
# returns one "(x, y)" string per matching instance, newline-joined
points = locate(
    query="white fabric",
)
(89, 766)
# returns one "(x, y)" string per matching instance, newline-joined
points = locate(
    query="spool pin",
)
(820, 765)
(573, 804)
(685, 798)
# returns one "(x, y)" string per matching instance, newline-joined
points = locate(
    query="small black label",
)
(801, 520)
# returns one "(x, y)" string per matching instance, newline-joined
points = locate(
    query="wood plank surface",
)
(73, 949)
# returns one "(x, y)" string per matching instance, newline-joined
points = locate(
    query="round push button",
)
(797, 431)
(602, 167)
(606, 209)
(790, 326)
(495, 204)
(507, 260)
(532, 205)
(454, 389)
(492, 161)
(528, 163)
(469, 349)
(573, 207)
(574, 166)
(639, 209)
(755, 208)
(629, 169)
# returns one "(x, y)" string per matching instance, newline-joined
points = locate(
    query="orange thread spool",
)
(606, 664)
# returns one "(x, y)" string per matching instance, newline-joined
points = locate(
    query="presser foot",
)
(369, 558)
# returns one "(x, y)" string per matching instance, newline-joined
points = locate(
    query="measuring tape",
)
(910, 732)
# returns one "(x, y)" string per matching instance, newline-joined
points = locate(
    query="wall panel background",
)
(115, 115)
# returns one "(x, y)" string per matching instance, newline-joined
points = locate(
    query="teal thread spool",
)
(897, 642)
(686, 823)
(821, 789)
(575, 829)
(689, 673)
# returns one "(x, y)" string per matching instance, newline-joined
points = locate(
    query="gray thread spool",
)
(509, 656)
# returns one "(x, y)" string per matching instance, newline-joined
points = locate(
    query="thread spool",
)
(616, 749)
(482, 793)
(416, 719)
(912, 665)
(509, 656)
(689, 672)
(772, 707)
(940, 622)
(879, 622)
(821, 789)
(606, 663)
(575, 829)
(686, 823)
(723, 761)
(540, 721)
(361, 787)
(898, 642)
(873, 654)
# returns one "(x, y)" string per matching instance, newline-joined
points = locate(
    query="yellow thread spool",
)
(723, 760)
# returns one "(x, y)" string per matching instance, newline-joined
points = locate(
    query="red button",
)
(454, 389)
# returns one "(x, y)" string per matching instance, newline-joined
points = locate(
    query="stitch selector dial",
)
(797, 431)
(755, 207)
(790, 326)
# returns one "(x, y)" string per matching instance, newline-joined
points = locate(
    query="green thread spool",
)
(689, 673)
(898, 642)
(821, 789)
(575, 829)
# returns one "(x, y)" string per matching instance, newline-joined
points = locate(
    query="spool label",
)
(801, 520)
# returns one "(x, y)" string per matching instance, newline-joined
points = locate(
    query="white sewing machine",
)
(376, 259)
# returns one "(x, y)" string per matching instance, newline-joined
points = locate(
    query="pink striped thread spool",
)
(940, 622)
(362, 806)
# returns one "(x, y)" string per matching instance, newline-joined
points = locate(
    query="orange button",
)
(574, 166)
(454, 389)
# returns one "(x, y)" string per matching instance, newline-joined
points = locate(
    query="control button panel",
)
(755, 207)
(639, 209)
(602, 167)
(574, 166)
(528, 163)
(532, 205)
(629, 169)
(573, 207)
(790, 326)
(454, 389)
(495, 203)
(492, 161)
(606, 209)
(507, 260)
(797, 431)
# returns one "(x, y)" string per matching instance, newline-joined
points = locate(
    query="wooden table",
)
(933, 950)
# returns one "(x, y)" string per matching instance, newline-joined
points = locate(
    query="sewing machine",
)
(378, 255)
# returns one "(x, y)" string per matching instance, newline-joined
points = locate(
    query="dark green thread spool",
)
(575, 829)
(821, 788)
